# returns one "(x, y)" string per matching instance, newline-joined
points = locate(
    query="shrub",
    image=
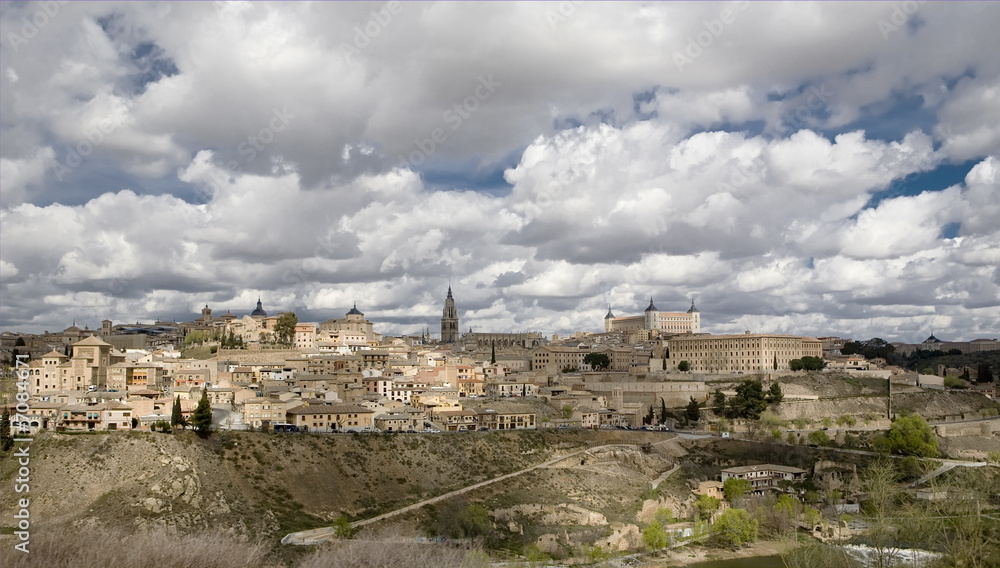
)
(655, 536)
(819, 438)
(846, 419)
(909, 436)
(735, 528)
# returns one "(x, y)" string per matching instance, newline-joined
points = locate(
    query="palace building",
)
(656, 321)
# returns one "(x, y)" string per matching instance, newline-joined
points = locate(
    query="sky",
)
(809, 168)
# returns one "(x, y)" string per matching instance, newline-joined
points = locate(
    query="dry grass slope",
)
(56, 547)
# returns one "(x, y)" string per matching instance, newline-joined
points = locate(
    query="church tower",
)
(695, 318)
(651, 317)
(449, 320)
(609, 320)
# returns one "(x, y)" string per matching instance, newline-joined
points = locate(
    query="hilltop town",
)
(272, 372)
(627, 440)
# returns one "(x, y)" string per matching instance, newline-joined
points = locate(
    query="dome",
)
(355, 311)
(651, 307)
(259, 311)
(692, 309)
(610, 314)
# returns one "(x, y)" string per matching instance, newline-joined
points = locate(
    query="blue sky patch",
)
(938, 179)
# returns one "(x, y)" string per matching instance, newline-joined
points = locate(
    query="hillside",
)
(255, 485)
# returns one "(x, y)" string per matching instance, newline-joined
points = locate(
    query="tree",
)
(735, 528)
(706, 505)
(748, 402)
(655, 536)
(202, 417)
(871, 349)
(909, 436)
(734, 488)
(493, 352)
(683, 366)
(786, 504)
(663, 410)
(718, 401)
(984, 374)
(20, 342)
(774, 394)
(693, 412)
(475, 521)
(775, 361)
(819, 437)
(342, 526)
(648, 419)
(807, 363)
(285, 327)
(811, 363)
(176, 415)
(6, 440)
(880, 480)
(597, 360)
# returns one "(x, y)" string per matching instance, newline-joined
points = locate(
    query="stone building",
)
(746, 353)
(654, 320)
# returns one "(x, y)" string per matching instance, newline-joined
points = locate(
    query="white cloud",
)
(741, 179)
(18, 176)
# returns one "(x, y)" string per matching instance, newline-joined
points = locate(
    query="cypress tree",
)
(984, 374)
(176, 415)
(202, 417)
(693, 411)
(493, 353)
(6, 440)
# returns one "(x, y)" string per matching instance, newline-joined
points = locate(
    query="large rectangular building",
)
(746, 353)
(555, 358)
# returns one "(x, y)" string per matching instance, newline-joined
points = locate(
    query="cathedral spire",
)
(449, 320)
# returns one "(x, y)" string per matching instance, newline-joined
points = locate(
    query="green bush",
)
(819, 437)
(735, 528)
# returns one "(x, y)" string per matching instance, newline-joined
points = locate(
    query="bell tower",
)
(449, 320)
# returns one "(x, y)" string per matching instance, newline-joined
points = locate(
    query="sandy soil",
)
(693, 554)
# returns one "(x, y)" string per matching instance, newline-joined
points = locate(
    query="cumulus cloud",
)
(230, 150)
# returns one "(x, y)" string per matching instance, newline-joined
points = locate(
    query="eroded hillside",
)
(266, 484)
